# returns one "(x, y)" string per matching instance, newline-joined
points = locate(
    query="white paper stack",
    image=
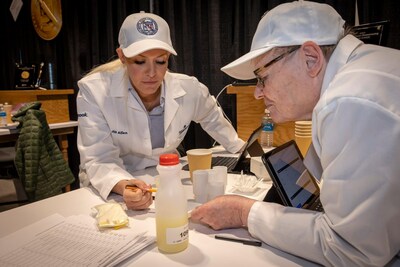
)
(72, 241)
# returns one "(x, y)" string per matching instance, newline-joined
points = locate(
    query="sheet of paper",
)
(72, 241)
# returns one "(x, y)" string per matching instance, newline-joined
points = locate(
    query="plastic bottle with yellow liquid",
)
(171, 206)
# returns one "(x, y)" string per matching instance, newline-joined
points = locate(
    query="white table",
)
(203, 249)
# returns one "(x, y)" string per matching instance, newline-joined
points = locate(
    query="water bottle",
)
(3, 116)
(267, 131)
(8, 110)
(171, 206)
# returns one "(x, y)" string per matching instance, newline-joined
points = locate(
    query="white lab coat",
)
(356, 135)
(113, 129)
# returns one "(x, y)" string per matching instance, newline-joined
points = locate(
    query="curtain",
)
(375, 11)
(207, 34)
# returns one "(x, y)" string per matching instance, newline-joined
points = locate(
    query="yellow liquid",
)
(172, 234)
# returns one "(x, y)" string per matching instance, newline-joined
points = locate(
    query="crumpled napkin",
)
(247, 183)
(111, 215)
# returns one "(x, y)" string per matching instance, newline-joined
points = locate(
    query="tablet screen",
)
(290, 175)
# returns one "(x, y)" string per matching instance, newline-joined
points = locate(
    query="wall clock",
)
(46, 18)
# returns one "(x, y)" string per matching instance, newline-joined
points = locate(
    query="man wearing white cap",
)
(308, 68)
(133, 109)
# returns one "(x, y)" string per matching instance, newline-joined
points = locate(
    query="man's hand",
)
(227, 211)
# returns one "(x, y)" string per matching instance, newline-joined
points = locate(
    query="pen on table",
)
(240, 240)
(134, 187)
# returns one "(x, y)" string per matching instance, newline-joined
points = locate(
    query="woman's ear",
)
(314, 58)
(120, 55)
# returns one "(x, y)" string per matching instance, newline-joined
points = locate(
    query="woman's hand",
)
(223, 212)
(137, 198)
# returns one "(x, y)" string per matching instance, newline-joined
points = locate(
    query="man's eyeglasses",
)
(261, 80)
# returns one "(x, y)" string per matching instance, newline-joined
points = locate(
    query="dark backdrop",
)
(207, 34)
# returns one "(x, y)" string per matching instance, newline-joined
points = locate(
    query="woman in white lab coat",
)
(133, 109)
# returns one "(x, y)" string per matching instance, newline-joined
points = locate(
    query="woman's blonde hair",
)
(111, 66)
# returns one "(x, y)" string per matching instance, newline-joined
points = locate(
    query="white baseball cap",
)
(287, 25)
(141, 32)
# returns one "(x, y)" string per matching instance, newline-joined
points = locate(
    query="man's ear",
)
(314, 58)
(120, 55)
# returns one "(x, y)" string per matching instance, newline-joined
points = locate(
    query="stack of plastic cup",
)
(200, 185)
(221, 174)
(302, 135)
(215, 186)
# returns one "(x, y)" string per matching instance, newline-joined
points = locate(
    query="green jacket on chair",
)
(39, 161)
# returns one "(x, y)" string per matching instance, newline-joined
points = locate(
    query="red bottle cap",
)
(169, 159)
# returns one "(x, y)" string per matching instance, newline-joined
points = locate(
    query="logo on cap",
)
(147, 26)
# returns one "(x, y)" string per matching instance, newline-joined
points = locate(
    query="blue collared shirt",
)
(156, 119)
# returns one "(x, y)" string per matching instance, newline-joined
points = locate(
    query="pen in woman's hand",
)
(135, 187)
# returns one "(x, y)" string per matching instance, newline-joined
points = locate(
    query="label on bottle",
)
(177, 235)
(268, 127)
